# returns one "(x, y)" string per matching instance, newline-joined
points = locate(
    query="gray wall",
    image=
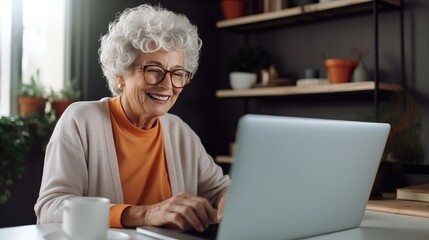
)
(293, 49)
(298, 47)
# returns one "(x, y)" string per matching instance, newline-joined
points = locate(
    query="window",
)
(5, 54)
(33, 33)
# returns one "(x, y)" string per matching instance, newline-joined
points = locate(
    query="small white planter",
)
(242, 80)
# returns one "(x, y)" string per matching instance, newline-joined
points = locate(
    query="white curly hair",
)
(146, 29)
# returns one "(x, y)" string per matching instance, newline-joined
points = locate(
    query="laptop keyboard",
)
(210, 233)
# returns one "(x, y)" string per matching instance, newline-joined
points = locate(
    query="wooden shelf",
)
(224, 159)
(295, 16)
(403, 207)
(303, 90)
(304, 13)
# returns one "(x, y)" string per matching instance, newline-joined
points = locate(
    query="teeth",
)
(162, 98)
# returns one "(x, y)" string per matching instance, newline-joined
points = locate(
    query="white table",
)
(375, 226)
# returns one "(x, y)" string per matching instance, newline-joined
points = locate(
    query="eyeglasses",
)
(154, 74)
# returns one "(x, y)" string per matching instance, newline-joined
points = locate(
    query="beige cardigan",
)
(81, 160)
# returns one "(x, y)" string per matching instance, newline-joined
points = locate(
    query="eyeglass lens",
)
(155, 74)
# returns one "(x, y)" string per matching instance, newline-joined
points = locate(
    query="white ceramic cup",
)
(85, 218)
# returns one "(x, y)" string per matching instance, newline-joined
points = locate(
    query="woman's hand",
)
(220, 208)
(183, 211)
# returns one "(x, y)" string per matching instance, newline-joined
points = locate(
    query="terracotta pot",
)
(31, 104)
(340, 70)
(232, 8)
(60, 106)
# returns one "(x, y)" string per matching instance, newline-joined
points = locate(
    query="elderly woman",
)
(149, 163)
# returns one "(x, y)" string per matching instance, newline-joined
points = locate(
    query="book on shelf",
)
(274, 5)
(415, 193)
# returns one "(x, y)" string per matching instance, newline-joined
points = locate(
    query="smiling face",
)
(143, 102)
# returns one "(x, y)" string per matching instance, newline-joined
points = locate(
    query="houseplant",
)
(19, 136)
(31, 96)
(245, 64)
(404, 145)
(340, 70)
(233, 8)
(15, 142)
(62, 99)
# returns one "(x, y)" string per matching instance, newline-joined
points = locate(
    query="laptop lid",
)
(296, 177)
(300, 177)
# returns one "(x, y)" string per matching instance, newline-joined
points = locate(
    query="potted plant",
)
(19, 136)
(340, 70)
(244, 65)
(15, 142)
(404, 145)
(233, 8)
(62, 99)
(31, 96)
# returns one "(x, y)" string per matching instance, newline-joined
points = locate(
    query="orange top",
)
(141, 160)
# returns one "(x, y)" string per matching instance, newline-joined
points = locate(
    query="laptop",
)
(296, 177)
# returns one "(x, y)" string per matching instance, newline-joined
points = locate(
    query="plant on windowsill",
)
(61, 100)
(244, 66)
(31, 96)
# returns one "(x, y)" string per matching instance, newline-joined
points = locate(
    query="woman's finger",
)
(186, 211)
(202, 209)
(189, 215)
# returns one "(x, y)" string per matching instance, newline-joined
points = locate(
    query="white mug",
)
(85, 218)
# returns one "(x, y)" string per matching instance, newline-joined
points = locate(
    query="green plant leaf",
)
(404, 143)
(248, 59)
(34, 88)
(18, 136)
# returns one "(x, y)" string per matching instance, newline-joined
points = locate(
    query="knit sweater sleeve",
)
(71, 168)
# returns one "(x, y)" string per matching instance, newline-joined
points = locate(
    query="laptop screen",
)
(296, 177)
(299, 177)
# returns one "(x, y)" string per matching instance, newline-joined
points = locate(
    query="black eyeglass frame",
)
(144, 67)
